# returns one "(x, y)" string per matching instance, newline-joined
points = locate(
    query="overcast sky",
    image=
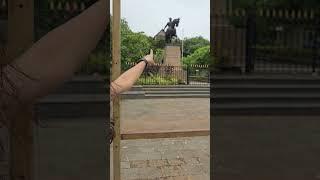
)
(150, 16)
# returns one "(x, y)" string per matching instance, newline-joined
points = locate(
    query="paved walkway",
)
(167, 159)
(173, 158)
(167, 115)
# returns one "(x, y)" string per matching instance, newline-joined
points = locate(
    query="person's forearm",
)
(125, 81)
(54, 58)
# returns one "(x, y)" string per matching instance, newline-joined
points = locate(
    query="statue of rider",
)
(171, 30)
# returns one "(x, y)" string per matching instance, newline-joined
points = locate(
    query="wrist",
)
(143, 60)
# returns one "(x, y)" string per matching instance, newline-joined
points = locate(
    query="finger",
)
(151, 52)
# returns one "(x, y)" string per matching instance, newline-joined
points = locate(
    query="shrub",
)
(157, 80)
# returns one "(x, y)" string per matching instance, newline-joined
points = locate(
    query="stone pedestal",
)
(172, 56)
(172, 60)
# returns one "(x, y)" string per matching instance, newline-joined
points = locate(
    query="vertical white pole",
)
(182, 45)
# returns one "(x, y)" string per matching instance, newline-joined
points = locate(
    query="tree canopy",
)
(190, 45)
(200, 56)
(134, 45)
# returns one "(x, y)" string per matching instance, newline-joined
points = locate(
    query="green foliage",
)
(190, 45)
(200, 56)
(158, 55)
(158, 43)
(125, 29)
(158, 80)
(133, 45)
(199, 78)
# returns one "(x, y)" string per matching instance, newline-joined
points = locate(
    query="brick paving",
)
(173, 158)
(170, 158)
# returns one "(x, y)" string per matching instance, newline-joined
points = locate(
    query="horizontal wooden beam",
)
(164, 134)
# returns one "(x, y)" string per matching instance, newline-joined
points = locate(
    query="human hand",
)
(149, 58)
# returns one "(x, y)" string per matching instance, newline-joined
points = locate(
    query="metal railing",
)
(50, 14)
(3, 27)
(160, 74)
(268, 40)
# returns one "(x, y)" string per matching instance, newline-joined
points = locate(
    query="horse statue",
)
(171, 30)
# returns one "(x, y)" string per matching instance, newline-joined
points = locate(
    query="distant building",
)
(160, 35)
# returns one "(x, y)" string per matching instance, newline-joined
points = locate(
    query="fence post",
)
(315, 47)
(188, 74)
(250, 39)
(209, 72)
(145, 76)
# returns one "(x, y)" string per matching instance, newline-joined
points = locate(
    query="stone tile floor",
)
(173, 158)
(166, 159)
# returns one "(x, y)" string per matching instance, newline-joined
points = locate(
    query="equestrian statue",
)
(171, 31)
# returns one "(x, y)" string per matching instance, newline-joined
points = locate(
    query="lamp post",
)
(182, 39)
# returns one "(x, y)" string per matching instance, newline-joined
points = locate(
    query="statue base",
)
(172, 58)
(172, 55)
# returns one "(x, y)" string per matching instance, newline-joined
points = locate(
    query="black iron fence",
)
(50, 14)
(3, 27)
(267, 40)
(3, 9)
(173, 75)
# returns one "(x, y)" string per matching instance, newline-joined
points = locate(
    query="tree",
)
(134, 45)
(200, 56)
(190, 45)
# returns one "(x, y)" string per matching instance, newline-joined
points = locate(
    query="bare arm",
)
(55, 57)
(126, 80)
